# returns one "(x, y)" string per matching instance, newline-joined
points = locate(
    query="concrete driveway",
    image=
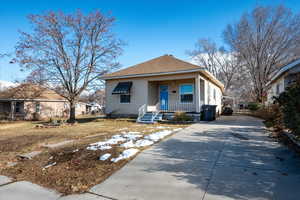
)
(231, 158)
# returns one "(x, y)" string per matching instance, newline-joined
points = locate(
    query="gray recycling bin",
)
(209, 112)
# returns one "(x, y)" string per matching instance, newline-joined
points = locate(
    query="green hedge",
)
(253, 106)
(289, 102)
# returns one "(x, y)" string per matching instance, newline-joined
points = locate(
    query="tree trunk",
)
(259, 95)
(72, 117)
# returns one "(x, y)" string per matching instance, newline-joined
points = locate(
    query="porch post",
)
(197, 93)
(12, 110)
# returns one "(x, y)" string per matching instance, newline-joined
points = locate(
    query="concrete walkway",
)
(231, 158)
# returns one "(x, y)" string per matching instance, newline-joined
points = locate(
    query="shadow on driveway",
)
(250, 166)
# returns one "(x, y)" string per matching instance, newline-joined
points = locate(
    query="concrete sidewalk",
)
(231, 158)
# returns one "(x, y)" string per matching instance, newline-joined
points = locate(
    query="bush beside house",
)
(182, 117)
(289, 104)
(284, 113)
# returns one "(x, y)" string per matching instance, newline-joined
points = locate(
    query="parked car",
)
(227, 111)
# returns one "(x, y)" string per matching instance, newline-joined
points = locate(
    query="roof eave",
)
(149, 74)
(167, 73)
(281, 72)
(42, 100)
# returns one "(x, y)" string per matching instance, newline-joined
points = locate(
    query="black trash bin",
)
(209, 112)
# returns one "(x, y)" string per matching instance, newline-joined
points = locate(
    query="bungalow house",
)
(162, 85)
(282, 79)
(29, 101)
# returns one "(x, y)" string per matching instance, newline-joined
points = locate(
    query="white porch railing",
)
(179, 107)
(156, 111)
(142, 112)
(171, 107)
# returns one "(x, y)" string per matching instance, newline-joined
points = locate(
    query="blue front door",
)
(163, 97)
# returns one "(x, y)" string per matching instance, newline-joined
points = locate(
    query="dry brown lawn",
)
(76, 169)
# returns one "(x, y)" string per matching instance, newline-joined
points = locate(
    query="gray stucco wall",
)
(139, 95)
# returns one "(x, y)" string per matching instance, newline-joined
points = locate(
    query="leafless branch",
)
(265, 39)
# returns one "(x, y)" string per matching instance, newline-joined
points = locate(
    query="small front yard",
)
(90, 151)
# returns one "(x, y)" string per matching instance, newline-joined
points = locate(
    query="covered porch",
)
(181, 95)
(11, 109)
(168, 96)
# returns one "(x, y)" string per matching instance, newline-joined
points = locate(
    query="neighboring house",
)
(243, 105)
(93, 107)
(282, 79)
(29, 101)
(164, 84)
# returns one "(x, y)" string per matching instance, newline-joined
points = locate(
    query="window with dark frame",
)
(37, 107)
(125, 98)
(277, 89)
(186, 93)
(18, 107)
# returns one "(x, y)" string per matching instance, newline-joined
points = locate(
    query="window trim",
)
(193, 93)
(125, 95)
(38, 105)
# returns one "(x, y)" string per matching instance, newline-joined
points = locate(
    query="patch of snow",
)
(116, 139)
(50, 165)
(139, 143)
(128, 144)
(143, 143)
(125, 154)
(133, 132)
(177, 129)
(131, 136)
(98, 147)
(99, 144)
(161, 127)
(105, 156)
(104, 145)
(158, 135)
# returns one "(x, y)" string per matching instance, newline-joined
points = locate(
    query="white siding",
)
(272, 91)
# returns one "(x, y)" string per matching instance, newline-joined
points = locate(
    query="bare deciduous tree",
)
(264, 39)
(222, 64)
(97, 96)
(69, 52)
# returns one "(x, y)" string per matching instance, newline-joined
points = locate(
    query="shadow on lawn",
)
(229, 166)
(88, 119)
(99, 118)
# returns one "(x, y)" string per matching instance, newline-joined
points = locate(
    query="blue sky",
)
(150, 28)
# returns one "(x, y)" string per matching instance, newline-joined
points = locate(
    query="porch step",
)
(147, 118)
